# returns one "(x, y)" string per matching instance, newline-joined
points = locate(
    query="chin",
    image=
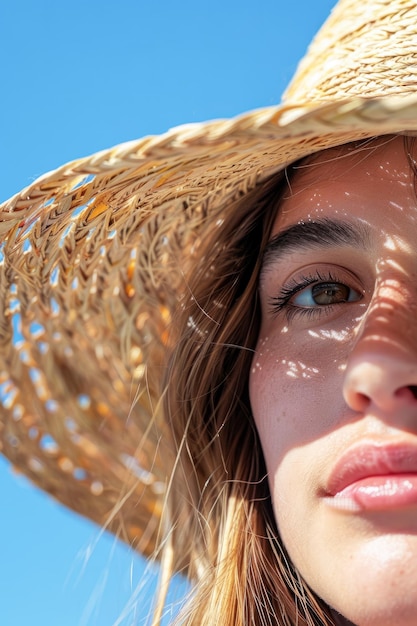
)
(378, 584)
(381, 615)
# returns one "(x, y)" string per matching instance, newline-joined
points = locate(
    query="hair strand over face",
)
(218, 506)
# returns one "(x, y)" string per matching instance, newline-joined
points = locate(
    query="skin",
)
(325, 379)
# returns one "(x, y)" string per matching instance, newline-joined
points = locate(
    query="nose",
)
(381, 370)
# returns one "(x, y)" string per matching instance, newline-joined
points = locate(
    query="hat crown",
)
(366, 49)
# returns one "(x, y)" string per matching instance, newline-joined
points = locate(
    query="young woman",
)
(215, 330)
(319, 318)
(338, 302)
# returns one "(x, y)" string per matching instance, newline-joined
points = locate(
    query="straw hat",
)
(93, 258)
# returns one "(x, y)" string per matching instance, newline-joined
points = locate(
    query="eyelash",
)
(282, 302)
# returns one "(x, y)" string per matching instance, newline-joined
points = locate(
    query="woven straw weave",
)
(94, 259)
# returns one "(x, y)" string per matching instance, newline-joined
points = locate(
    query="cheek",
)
(295, 395)
(297, 404)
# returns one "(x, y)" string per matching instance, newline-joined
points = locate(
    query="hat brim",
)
(88, 272)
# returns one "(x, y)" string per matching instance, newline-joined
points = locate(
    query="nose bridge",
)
(392, 316)
(382, 367)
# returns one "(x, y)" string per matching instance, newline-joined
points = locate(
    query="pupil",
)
(330, 293)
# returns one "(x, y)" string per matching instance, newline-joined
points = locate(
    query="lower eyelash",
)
(292, 311)
(282, 302)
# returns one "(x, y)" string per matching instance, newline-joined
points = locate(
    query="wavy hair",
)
(220, 527)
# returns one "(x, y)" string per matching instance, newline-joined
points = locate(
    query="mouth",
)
(374, 477)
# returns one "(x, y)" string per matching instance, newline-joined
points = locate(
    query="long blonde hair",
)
(218, 519)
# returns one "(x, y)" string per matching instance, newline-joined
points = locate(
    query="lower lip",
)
(377, 493)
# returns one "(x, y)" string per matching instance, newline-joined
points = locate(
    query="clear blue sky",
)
(76, 78)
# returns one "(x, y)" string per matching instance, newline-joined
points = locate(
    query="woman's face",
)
(333, 384)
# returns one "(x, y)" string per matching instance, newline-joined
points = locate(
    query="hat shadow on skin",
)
(323, 385)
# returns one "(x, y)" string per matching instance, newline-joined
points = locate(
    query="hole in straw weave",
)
(35, 374)
(43, 347)
(84, 401)
(51, 406)
(17, 336)
(37, 379)
(48, 444)
(24, 356)
(45, 205)
(70, 424)
(77, 211)
(84, 181)
(79, 473)
(14, 305)
(36, 329)
(8, 393)
(27, 246)
(53, 279)
(55, 308)
(33, 432)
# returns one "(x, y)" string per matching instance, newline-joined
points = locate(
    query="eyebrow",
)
(322, 233)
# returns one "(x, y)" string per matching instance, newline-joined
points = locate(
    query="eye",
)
(325, 294)
(315, 292)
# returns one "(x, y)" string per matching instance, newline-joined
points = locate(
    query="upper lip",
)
(371, 459)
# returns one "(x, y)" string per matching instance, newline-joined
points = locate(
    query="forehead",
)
(363, 181)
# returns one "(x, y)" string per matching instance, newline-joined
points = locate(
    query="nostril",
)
(386, 383)
(362, 398)
(358, 401)
(407, 392)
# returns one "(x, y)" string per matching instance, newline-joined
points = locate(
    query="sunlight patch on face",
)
(298, 369)
(392, 265)
(257, 367)
(395, 243)
(263, 342)
(397, 206)
(336, 335)
(390, 291)
(389, 243)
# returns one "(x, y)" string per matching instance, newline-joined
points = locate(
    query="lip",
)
(373, 477)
